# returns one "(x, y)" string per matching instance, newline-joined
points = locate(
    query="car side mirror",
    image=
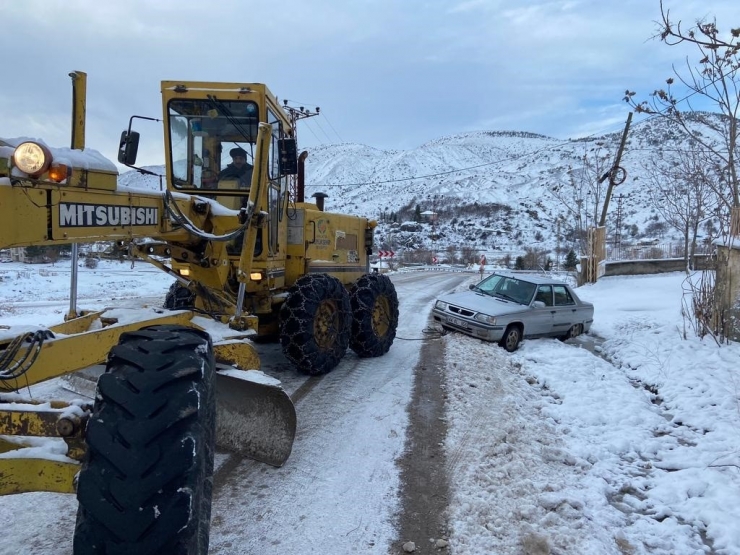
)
(538, 304)
(471, 286)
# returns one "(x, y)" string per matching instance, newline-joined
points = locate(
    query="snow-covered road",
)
(548, 450)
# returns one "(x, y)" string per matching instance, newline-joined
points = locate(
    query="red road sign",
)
(386, 254)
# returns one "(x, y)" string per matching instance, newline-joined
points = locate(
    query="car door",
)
(539, 320)
(565, 312)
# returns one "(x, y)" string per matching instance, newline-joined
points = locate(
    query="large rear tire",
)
(145, 485)
(374, 315)
(315, 323)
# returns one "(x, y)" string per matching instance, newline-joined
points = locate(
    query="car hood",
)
(478, 302)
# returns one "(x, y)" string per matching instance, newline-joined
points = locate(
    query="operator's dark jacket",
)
(243, 174)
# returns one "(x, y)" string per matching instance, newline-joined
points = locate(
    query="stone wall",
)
(655, 266)
(640, 267)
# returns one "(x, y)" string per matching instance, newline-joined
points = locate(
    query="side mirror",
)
(538, 304)
(471, 286)
(288, 157)
(128, 148)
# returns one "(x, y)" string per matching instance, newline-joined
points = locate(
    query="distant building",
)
(429, 216)
(18, 254)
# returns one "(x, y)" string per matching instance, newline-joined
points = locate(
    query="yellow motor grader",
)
(247, 255)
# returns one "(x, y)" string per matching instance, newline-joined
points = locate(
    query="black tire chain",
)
(297, 316)
(364, 294)
(145, 486)
(179, 297)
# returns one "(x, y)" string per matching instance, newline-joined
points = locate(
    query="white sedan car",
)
(506, 308)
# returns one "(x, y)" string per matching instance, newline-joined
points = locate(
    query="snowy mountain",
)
(497, 192)
(500, 192)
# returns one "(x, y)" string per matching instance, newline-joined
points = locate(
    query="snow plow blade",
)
(254, 416)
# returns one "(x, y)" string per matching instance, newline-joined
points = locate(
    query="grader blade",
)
(83, 382)
(254, 416)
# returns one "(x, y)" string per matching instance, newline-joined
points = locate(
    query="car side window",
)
(562, 296)
(544, 294)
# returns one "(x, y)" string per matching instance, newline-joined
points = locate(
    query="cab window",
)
(202, 134)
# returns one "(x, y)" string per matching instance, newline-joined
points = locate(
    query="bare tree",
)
(581, 194)
(682, 190)
(713, 78)
(534, 259)
(468, 254)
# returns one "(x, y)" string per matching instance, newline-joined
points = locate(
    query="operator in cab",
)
(239, 169)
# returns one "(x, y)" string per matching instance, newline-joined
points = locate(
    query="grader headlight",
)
(32, 158)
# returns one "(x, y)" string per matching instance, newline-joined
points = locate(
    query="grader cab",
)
(244, 250)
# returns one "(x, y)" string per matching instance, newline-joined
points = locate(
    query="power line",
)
(584, 139)
(332, 128)
(312, 132)
(322, 130)
(509, 159)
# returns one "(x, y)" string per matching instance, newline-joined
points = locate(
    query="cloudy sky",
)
(391, 74)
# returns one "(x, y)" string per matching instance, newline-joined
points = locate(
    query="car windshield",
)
(507, 288)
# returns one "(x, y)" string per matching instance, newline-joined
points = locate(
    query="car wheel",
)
(574, 331)
(512, 337)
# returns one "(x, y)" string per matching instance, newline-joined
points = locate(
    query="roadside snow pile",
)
(573, 454)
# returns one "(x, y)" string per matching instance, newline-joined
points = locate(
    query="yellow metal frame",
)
(37, 211)
(51, 420)
(69, 353)
(77, 347)
(22, 475)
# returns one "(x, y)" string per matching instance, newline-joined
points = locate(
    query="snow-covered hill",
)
(492, 191)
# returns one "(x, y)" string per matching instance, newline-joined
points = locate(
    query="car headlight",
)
(485, 318)
(32, 158)
(441, 305)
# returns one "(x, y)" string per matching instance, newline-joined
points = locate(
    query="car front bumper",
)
(469, 327)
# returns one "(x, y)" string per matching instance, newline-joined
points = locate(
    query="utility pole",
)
(618, 224)
(557, 249)
(297, 114)
(616, 173)
(434, 199)
(597, 235)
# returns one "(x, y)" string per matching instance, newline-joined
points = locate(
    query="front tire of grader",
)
(145, 485)
(315, 323)
(374, 315)
(179, 297)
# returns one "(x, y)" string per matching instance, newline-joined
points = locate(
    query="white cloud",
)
(388, 74)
